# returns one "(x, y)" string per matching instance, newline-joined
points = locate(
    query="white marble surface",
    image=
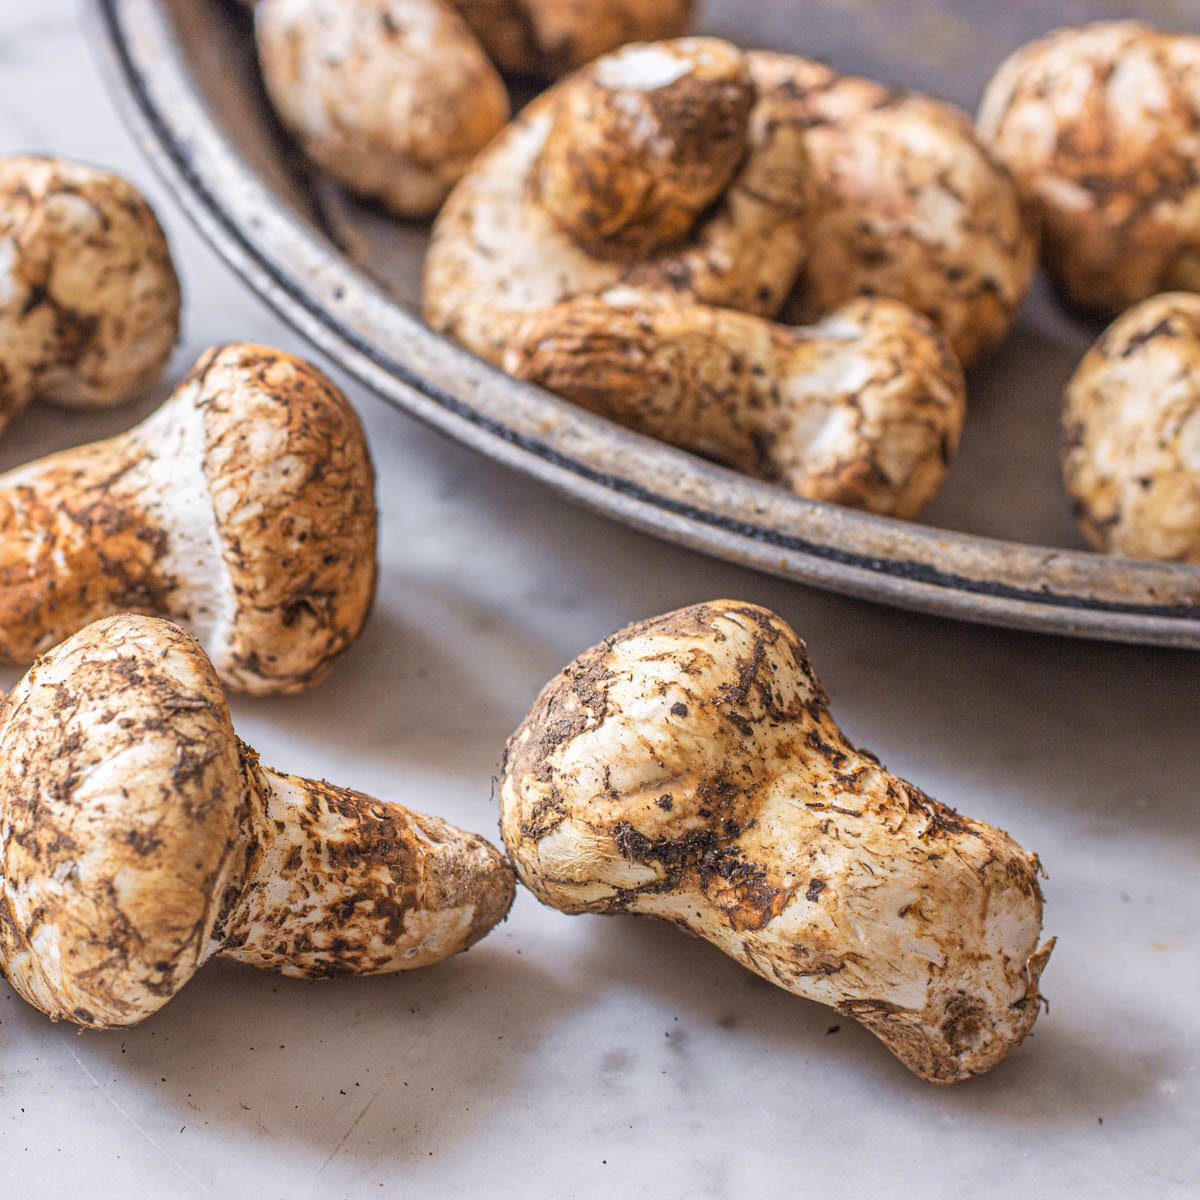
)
(590, 1057)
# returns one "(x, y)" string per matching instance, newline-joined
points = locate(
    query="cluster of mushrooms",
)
(776, 266)
(686, 768)
(645, 239)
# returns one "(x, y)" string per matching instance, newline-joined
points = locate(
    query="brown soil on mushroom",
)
(288, 497)
(415, 91)
(1131, 433)
(688, 768)
(1098, 124)
(91, 310)
(594, 251)
(120, 772)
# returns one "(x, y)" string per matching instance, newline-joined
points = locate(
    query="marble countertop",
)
(579, 1057)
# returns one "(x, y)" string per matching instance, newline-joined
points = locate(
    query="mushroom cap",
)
(1132, 433)
(89, 299)
(549, 38)
(292, 491)
(913, 207)
(655, 137)
(392, 97)
(1100, 125)
(121, 803)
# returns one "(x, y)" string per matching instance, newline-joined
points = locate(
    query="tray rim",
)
(831, 557)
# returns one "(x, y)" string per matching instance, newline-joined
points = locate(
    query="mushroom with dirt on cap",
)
(912, 206)
(1131, 426)
(139, 838)
(244, 508)
(624, 243)
(395, 97)
(1100, 125)
(89, 299)
(688, 768)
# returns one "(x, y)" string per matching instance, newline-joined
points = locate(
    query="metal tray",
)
(999, 546)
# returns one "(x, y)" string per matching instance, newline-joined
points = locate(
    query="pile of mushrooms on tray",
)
(743, 253)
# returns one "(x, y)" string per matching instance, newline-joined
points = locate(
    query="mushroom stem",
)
(339, 883)
(106, 527)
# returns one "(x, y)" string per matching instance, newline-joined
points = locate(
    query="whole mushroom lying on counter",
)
(243, 508)
(1101, 127)
(594, 246)
(688, 768)
(1132, 433)
(89, 299)
(140, 838)
(395, 97)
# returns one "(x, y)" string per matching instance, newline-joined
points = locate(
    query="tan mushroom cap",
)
(139, 837)
(89, 300)
(1132, 429)
(635, 157)
(293, 495)
(1100, 125)
(912, 207)
(394, 98)
(121, 804)
(688, 768)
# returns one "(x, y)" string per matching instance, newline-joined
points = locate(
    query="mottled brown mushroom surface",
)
(1100, 125)
(391, 97)
(89, 300)
(865, 408)
(499, 253)
(644, 146)
(621, 244)
(139, 837)
(1132, 433)
(394, 98)
(243, 508)
(912, 206)
(548, 38)
(688, 768)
